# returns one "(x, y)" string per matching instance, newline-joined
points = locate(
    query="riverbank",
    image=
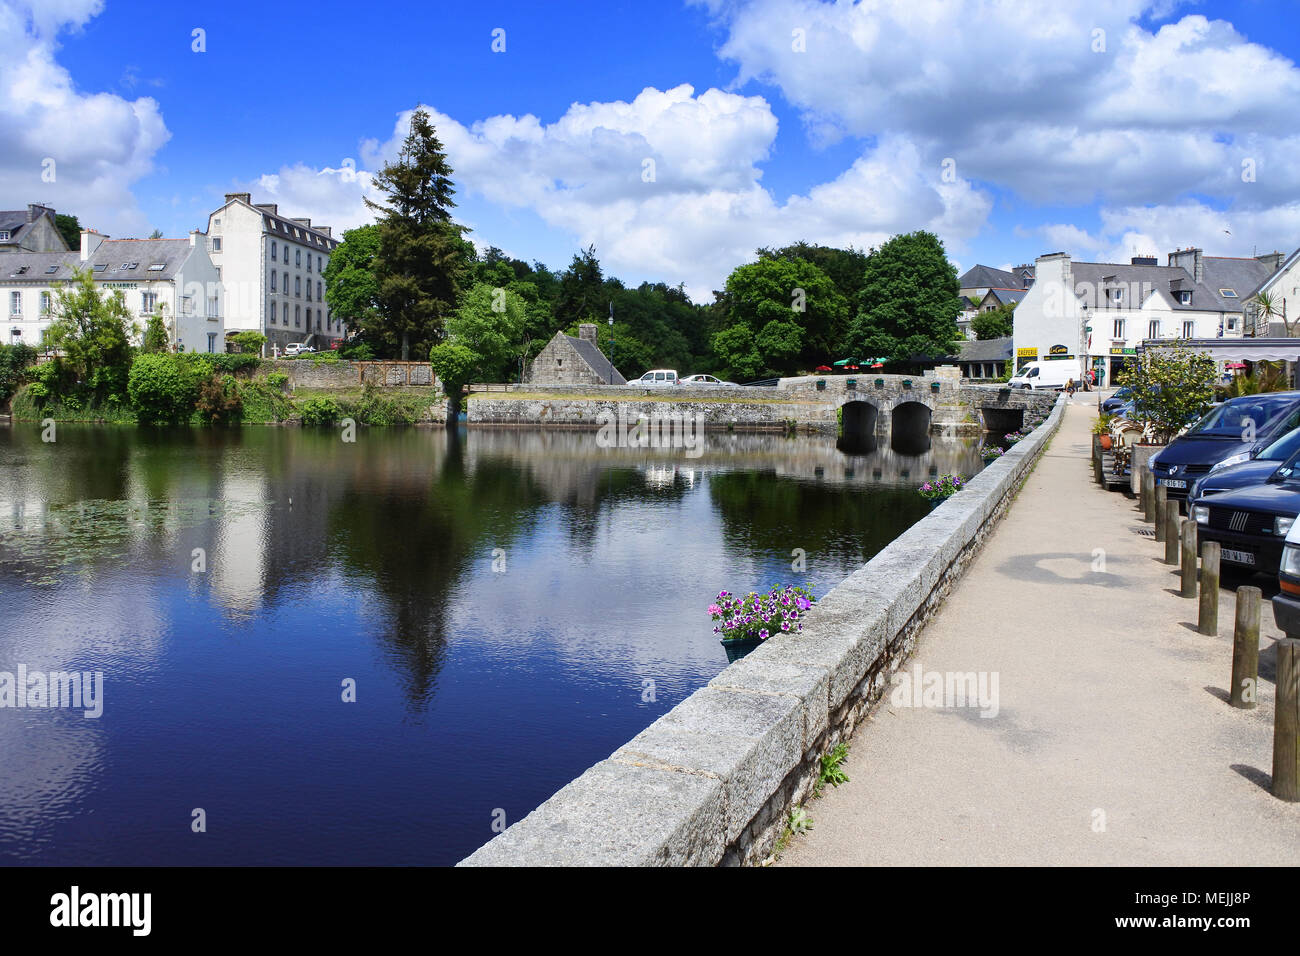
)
(1112, 743)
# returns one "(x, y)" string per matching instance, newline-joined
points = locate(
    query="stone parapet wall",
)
(306, 373)
(713, 781)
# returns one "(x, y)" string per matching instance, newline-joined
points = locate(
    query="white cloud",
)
(99, 143)
(704, 210)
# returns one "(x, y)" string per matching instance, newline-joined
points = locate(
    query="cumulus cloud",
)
(670, 183)
(78, 151)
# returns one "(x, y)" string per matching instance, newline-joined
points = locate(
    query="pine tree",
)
(423, 257)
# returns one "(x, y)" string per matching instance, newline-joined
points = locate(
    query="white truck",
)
(1048, 374)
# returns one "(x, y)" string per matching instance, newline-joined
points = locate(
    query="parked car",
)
(1226, 435)
(297, 348)
(1048, 374)
(1286, 604)
(1121, 397)
(658, 376)
(1246, 473)
(1251, 524)
(706, 380)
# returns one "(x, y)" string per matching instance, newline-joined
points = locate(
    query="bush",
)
(233, 363)
(320, 411)
(163, 388)
(361, 352)
(219, 401)
(277, 380)
(375, 409)
(248, 342)
(14, 360)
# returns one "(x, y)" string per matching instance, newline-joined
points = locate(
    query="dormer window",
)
(4, 235)
(1117, 295)
(1184, 298)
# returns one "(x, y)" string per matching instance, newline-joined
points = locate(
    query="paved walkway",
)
(1113, 743)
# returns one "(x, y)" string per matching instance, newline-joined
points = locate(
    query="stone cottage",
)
(569, 361)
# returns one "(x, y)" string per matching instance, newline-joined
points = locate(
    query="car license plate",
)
(1238, 557)
(1173, 482)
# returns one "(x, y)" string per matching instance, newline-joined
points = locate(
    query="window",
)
(212, 342)
(148, 302)
(1153, 329)
(297, 257)
(46, 303)
(217, 222)
(187, 305)
(273, 312)
(216, 243)
(318, 265)
(4, 235)
(308, 290)
(297, 316)
(273, 250)
(22, 270)
(309, 262)
(15, 303)
(297, 286)
(157, 266)
(50, 270)
(319, 297)
(1232, 323)
(1119, 329)
(1228, 293)
(1185, 298)
(1117, 295)
(274, 286)
(286, 283)
(286, 253)
(101, 267)
(213, 307)
(318, 320)
(218, 273)
(1189, 330)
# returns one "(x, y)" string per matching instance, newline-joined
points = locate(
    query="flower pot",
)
(936, 502)
(1104, 440)
(738, 647)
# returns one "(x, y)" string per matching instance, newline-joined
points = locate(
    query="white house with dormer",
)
(272, 267)
(173, 278)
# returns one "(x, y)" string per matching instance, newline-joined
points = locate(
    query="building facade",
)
(30, 230)
(569, 361)
(273, 269)
(171, 278)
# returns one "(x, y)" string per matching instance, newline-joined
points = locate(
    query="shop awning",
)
(1237, 350)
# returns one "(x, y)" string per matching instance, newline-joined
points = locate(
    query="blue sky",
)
(1005, 128)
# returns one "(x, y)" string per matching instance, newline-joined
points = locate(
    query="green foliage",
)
(14, 363)
(781, 313)
(994, 323)
(163, 388)
(69, 228)
(230, 362)
(581, 295)
(422, 257)
(155, 335)
(377, 409)
(630, 355)
(490, 323)
(93, 332)
(320, 411)
(908, 304)
(26, 407)
(351, 287)
(249, 341)
(219, 401)
(360, 352)
(832, 770)
(454, 365)
(1176, 384)
(264, 401)
(277, 380)
(1265, 377)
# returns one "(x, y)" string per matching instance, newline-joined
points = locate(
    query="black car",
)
(1286, 603)
(1253, 472)
(1251, 523)
(1226, 435)
(1122, 397)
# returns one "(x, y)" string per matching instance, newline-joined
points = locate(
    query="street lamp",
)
(611, 343)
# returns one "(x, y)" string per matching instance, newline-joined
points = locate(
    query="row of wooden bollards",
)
(1179, 537)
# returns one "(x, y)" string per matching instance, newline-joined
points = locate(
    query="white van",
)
(658, 376)
(1047, 374)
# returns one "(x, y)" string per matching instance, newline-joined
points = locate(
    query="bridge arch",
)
(909, 427)
(859, 420)
(1000, 421)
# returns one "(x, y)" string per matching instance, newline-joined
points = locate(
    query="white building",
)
(1284, 287)
(33, 229)
(273, 270)
(173, 278)
(1100, 312)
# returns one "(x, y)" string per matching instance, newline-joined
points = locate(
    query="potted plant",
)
(880, 383)
(1174, 385)
(940, 489)
(745, 623)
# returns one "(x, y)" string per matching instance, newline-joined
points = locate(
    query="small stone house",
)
(569, 361)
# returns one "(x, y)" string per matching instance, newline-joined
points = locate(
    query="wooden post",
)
(1207, 622)
(1188, 559)
(1286, 722)
(1147, 498)
(1171, 532)
(1162, 496)
(1245, 649)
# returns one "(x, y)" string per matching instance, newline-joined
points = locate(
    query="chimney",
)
(35, 210)
(245, 197)
(90, 240)
(1273, 260)
(1144, 261)
(303, 222)
(587, 332)
(1190, 259)
(326, 230)
(270, 207)
(195, 235)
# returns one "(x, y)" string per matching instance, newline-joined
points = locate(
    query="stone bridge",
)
(904, 409)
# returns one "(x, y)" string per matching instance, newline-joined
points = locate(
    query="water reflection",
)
(499, 597)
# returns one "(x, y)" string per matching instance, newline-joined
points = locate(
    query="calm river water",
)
(511, 606)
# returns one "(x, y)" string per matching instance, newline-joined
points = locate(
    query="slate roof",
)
(14, 221)
(1006, 296)
(986, 277)
(112, 254)
(596, 360)
(1244, 276)
(1139, 283)
(987, 350)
